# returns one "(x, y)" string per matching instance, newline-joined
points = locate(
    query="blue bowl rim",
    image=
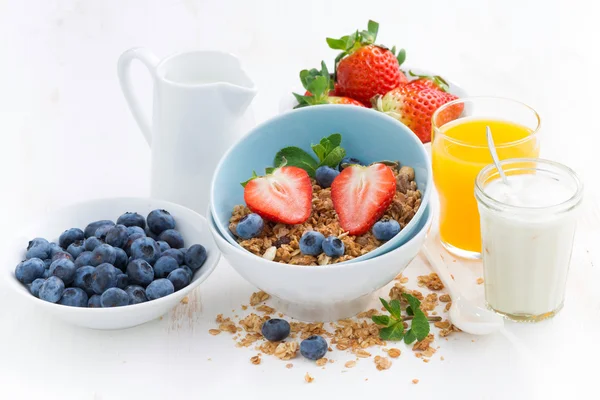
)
(425, 196)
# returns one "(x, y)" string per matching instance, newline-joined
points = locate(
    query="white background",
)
(67, 136)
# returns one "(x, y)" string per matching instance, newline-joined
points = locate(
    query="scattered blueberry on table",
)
(275, 329)
(110, 264)
(313, 347)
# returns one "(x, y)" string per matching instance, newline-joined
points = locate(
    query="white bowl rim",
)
(425, 197)
(341, 265)
(22, 289)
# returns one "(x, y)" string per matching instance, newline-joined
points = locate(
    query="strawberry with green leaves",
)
(364, 69)
(361, 194)
(414, 104)
(283, 195)
(428, 81)
(319, 88)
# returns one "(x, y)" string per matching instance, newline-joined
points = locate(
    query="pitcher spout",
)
(236, 98)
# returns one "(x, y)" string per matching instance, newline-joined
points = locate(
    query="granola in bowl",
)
(280, 242)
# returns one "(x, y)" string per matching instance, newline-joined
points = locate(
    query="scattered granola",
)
(448, 305)
(255, 360)
(214, 332)
(362, 353)
(289, 365)
(184, 300)
(445, 298)
(308, 378)
(258, 297)
(479, 281)
(286, 350)
(321, 361)
(265, 309)
(415, 381)
(431, 281)
(350, 364)
(280, 243)
(382, 363)
(394, 352)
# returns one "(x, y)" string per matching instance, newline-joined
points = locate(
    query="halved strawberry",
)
(361, 195)
(284, 195)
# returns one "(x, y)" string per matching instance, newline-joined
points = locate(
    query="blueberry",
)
(177, 254)
(135, 229)
(132, 219)
(38, 248)
(164, 266)
(52, 289)
(136, 294)
(250, 226)
(189, 271)
(311, 242)
(132, 238)
(102, 231)
(90, 230)
(386, 229)
(172, 237)
(29, 270)
(121, 259)
(313, 347)
(183, 251)
(74, 297)
(140, 272)
(159, 288)
(325, 176)
(47, 273)
(114, 297)
(150, 234)
(122, 281)
(333, 247)
(83, 279)
(76, 248)
(69, 236)
(347, 161)
(54, 248)
(146, 249)
(159, 221)
(64, 269)
(104, 277)
(104, 253)
(84, 259)
(47, 262)
(92, 242)
(195, 257)
(59, 255)
(35, 286)
(117, 236)
(275, 330)
(180, 278)
(94, 301)
(164, 246)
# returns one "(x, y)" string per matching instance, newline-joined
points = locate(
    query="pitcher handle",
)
(150, 61)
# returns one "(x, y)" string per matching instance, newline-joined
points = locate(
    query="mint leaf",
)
(393, 332)
(381, 319)
(409, 310)
(334, 140)
(413, 302)
(254, 176)
(334, 158)
(320, 150)
(409, 337)
(395, 312)
(420, 325)
(296, 157)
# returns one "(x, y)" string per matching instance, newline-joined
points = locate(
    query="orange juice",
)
(459, 152)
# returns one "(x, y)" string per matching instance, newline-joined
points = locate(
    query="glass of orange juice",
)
(459, 151)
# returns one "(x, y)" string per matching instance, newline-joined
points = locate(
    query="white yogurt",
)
(527, 230)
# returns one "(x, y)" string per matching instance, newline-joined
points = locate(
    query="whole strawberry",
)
(364, 69)
(414, 105)
(320, 89)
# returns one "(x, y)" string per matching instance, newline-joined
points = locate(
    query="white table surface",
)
(67, 136)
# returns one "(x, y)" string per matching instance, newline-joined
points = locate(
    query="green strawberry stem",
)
(438, 80)
(318, 83)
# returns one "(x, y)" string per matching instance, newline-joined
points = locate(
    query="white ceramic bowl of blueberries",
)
(112, 263)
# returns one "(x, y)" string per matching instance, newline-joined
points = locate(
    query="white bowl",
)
(192, 226)
(328, 292)
(287, 102)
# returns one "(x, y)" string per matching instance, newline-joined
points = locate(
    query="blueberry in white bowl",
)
(127, 282)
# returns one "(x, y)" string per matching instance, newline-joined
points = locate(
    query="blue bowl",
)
(366, 134)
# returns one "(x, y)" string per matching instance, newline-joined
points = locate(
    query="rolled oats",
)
(258, 297)
(394, 352)
(255, 360)
(479, 281)
(308, 378)
(265, 309)
(382, 363)
(214, 332)
(431, 281)
(289, 365)
(321, 361)
(445, 298)
(415, 381)
(286, 350)
(350, 364)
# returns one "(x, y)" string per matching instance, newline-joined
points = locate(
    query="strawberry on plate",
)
(414, 105)
(284, 195)
(364, 69)
(361, 194)
(319, 88)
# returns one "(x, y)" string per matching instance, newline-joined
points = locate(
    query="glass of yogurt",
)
(527, 231)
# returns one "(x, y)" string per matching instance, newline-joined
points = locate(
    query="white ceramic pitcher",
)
(201, 100)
